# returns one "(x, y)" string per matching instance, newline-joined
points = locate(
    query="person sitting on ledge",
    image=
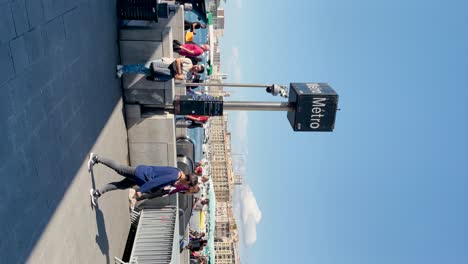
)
(188, 25)
(164, 180)
(163, 69)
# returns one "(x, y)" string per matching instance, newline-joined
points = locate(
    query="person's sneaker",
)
(132, 204)
(119, 74)
(94, 196)
(92, 160)
(131, 193)
(119, 70)
(131, 198)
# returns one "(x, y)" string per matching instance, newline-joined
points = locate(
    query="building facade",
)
(226, 234)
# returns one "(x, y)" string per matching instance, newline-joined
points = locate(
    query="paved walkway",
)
(59, 99)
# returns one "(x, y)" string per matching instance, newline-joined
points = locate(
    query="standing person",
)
(195, 120)
(195, 234)
(148, 178)
(198, 259)
(163, 69)
(189, 49)
(197, 244)
(191, 26)
(199, 204)
(199, 170)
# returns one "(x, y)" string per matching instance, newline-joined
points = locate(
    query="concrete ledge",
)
(179, 89)
(140, 33)
(167, 47)
(132, 111)
(140, 44)
(161, 153)
(175, 21)
(149, 93)
(181, 131)
(178, 25)
(140, 51)
(151, 137)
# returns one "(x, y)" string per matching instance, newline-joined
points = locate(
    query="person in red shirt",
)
(193, 50)
(189, 49)
(195, 120)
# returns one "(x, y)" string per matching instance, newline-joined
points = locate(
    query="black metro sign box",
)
(188, 105)
(315, 107)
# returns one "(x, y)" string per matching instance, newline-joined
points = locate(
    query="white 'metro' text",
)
(317, 110)
(318, 104)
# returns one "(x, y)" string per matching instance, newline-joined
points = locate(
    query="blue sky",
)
(389, 185)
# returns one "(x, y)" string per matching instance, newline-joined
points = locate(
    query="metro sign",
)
(315, 107)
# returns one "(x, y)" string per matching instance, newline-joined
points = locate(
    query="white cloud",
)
(234, 68)
(245, 207)
(239, 131)
(238, 3)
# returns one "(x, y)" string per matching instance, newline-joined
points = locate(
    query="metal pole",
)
(258, 106)
(227, 84)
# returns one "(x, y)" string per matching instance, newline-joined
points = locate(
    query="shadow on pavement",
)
(101, 237)
(52, 112)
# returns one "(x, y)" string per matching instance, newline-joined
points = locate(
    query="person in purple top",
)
(150, 179)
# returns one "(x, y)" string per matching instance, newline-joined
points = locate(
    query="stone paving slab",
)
(79, 233)
(59, 99)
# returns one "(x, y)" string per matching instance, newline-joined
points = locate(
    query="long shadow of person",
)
(101, 236)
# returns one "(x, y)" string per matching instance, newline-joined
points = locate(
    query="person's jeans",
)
(126, 171)
(159, 74)
(179, 117)
(137, 68)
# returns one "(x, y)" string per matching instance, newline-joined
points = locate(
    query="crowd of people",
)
(196, 243)
(146, 181)
(183, 68)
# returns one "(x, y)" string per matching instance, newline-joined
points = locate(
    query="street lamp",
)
(310, 106)
(273, 89)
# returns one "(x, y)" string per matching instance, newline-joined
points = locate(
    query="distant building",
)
(220, 12)
(220, 159)
(218, 20)
(238, 180)
(224, 253)
(223, 178)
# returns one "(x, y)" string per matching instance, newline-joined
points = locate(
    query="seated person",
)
(163, 69)
(191, 26)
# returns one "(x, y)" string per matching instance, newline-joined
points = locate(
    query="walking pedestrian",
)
(149, 178)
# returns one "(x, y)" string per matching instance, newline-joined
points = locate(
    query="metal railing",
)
(155, 235)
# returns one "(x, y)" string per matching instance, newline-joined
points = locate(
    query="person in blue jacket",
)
(150, 179)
